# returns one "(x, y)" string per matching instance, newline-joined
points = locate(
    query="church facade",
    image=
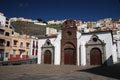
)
(71, 47)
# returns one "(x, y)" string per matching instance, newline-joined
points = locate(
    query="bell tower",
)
(69, 43)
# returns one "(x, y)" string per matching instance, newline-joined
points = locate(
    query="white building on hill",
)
(4, 22)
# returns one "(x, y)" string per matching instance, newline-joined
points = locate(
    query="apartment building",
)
(13, 46)
(20, 47)
(5, 40)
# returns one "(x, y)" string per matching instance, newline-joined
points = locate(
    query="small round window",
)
(95, 39)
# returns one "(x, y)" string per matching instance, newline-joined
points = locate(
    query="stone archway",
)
(69, 54)
(95, 56)
(95, 51)
(47, 57)
(47, 50)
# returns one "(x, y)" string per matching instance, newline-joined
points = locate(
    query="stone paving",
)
(62, 72)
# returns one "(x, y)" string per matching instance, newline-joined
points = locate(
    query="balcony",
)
(2, 46)
(2, 31)
(15, 43)
(22, 49)
(2, 42)
(21, 45)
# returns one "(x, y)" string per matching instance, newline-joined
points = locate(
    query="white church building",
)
(70, 47)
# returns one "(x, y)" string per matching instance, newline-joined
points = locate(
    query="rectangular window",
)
(7, 34)
(33, 52)
(7, 54)
(27, 45)
(21, 44)
(8, 44)
(1, 31)
(2, 42)
(33, 44)
(36, 52)
(14, 53)
(15, 42)
(37, 44)
(12, 32)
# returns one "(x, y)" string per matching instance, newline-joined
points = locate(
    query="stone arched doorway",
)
(95, 51)
(69, 54)
(47, 53)
(47, 57)
(95, 56)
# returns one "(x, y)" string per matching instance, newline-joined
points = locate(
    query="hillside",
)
(30, 28)
(55, 26)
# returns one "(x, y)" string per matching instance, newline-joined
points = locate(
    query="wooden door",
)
(69, 56)
(95, 57)
(47, 57)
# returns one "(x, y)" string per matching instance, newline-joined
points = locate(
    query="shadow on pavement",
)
(108, 71)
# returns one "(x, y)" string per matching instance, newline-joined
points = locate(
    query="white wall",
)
(118, 48)
(56, 42)
(83, 54)
(2, 20)
(78, 47)
(109, 47)
(115, 53)
(83, 40)
(117, 39)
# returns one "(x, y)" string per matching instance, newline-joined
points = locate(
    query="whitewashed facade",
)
(4, 22)
(82, 39)
(83, 46)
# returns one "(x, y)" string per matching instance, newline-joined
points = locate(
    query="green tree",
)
(40, 20)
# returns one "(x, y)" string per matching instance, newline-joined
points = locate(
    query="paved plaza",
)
(61, 72)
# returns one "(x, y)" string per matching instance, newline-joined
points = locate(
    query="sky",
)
(85, 10)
